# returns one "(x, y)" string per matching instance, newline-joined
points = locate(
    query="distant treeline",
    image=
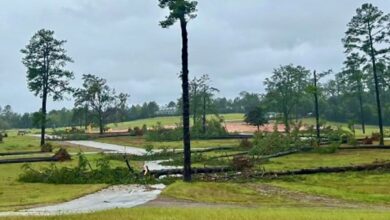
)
(81, 117)
(336, 105)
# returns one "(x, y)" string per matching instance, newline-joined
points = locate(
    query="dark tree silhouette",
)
(286, 87)
(182, 11)
(256, 117)
(368, 33)
(354, 78)
(45, 59)
(100, 97)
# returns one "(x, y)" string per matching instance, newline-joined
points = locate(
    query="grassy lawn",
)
(19, 143)
(227, 193)
(369, 128)
(141, 142)
(340, 158)
(222, 213)
(169, 120)
(16, 195)
(367, 187)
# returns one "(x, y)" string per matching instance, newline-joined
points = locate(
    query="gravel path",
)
(122, 196)
(110, 147)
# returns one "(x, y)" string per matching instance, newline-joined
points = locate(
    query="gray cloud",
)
(238, 43)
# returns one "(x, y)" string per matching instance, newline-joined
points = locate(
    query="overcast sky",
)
(237, 42)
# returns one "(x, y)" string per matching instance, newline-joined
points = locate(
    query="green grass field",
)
(249, 199)
(222, 213)
(19, 143)
(358, 132)
(312, 159)
(141, 142)
(169, 120)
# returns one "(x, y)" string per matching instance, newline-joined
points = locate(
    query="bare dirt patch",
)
(242, 127)
(311, 200)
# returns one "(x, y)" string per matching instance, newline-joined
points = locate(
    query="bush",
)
(333, 148)
(84, 174)
(245, 143)
(159, 133)
(271, 143)
(352, 141)
(149, 149)
(242, 163)
(268, 143)
(1, 138)
(138, 131)
(214, 129)
(375, 136)
(144, 128)
(47, 147)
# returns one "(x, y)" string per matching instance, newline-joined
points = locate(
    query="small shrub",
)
(327, 150)
(149, 149)
(242, 163)
(245, 143)
(367, 140)
(375, 136)
(138, 131)
(352, 141)
(144, 128)
(84, 174)
(1, 138)
(47, 147)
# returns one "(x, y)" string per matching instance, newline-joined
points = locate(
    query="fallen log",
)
(362, 167)
(366, 146)
(211, 149)
(20, 153)
(158, 173)
(28, 160)
(230, 155)
(279, 154)
(271, 174)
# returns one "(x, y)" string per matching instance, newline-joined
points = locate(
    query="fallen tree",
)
(158, 173)
(366, 146)
(60, 155)
(279, 154)
(20, 153)
(28, 160)
(271, 174)
(362, 167)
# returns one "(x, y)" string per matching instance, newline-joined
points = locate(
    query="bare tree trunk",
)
(361, 110)
(44, 100)
(186, 106)
(204, 113)
(378, 101)
(316, 109)
(194, 105)
(43, 116)
(101, 125)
